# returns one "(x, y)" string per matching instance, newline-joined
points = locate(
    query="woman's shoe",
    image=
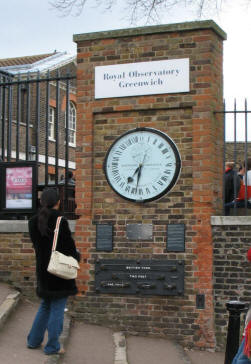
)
(59, 352)
(34, 347)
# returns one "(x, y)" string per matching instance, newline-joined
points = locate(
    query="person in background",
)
(243, 356)
(51, 289)
(241, 195)
(232, 186)
(241, 172)
(70, 180)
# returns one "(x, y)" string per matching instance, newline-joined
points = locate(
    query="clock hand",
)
(144, 159)
(138, 170)
(139, 174)
(130, 179)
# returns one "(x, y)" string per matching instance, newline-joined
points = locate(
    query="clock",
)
(142, 165)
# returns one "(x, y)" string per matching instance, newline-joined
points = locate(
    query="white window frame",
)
(51, 126)
(72, 124)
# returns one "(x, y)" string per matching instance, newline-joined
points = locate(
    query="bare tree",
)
(150, 10)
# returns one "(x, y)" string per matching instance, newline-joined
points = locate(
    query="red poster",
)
(19, 187)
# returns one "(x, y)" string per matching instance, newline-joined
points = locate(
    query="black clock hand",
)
(140, 168)
(130, 179)
(139, 174)
(143, 159)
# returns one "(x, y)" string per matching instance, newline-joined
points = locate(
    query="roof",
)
(23, 60)
(31, 64)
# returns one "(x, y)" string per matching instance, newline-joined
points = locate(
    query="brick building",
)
(35, 102)
(188, 118)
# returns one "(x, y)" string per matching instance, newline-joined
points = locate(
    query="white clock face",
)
(142, 165)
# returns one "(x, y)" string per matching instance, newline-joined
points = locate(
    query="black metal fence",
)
(236, 139)
(38, 122)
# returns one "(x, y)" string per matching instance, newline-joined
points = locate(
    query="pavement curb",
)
(55, 359)
(8, 306)
(120, 356)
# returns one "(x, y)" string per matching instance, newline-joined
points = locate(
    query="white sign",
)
(143, 78)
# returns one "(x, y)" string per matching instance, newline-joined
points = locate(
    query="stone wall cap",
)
(153, 29)
(230, 220)
(21, 226)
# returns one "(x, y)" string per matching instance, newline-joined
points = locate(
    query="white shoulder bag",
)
(61, 265)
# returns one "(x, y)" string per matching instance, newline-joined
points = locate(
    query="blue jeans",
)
(240, 358)
(50, 316)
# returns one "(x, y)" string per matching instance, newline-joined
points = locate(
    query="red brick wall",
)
(17, 257)
(17, 263)
(187, 118)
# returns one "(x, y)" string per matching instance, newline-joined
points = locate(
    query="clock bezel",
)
(177, 169)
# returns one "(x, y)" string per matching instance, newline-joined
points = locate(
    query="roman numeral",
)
(167, 171)
(118, 152)
(164, 178)
(122, 146)
(140, 191)
(164, 151)
(161, 145)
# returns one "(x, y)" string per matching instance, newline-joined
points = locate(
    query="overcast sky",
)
(32, 27)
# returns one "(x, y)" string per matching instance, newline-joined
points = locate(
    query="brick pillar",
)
(189, 119)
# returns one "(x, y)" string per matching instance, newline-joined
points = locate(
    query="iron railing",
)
(236, 140)
(26, 125)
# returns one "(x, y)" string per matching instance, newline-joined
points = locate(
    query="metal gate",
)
(236, 141)
(38, 122)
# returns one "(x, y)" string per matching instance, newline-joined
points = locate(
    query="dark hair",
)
(48, 200)
(70, 174)
(248, 164)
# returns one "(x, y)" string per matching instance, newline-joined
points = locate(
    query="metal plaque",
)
(145, 277)
(139, 231)
(104, 235)
(176, 237)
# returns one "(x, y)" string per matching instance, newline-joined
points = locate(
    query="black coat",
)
(230, 191)
(48, 285)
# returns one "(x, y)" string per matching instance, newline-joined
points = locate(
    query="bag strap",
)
(55, 238)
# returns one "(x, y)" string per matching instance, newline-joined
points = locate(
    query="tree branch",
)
(150, 10)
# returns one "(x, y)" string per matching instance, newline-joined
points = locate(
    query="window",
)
(72, 124)
(51, 178)
(23, 104)
(51, 126)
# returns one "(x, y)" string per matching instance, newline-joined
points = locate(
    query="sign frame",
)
(142, 78)
(140, 277)
(3, 188)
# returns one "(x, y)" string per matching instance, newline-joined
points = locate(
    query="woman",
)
(53, 290)
(244, 185)
(243, 355)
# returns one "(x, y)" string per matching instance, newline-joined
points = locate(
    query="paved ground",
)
(85, 344)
